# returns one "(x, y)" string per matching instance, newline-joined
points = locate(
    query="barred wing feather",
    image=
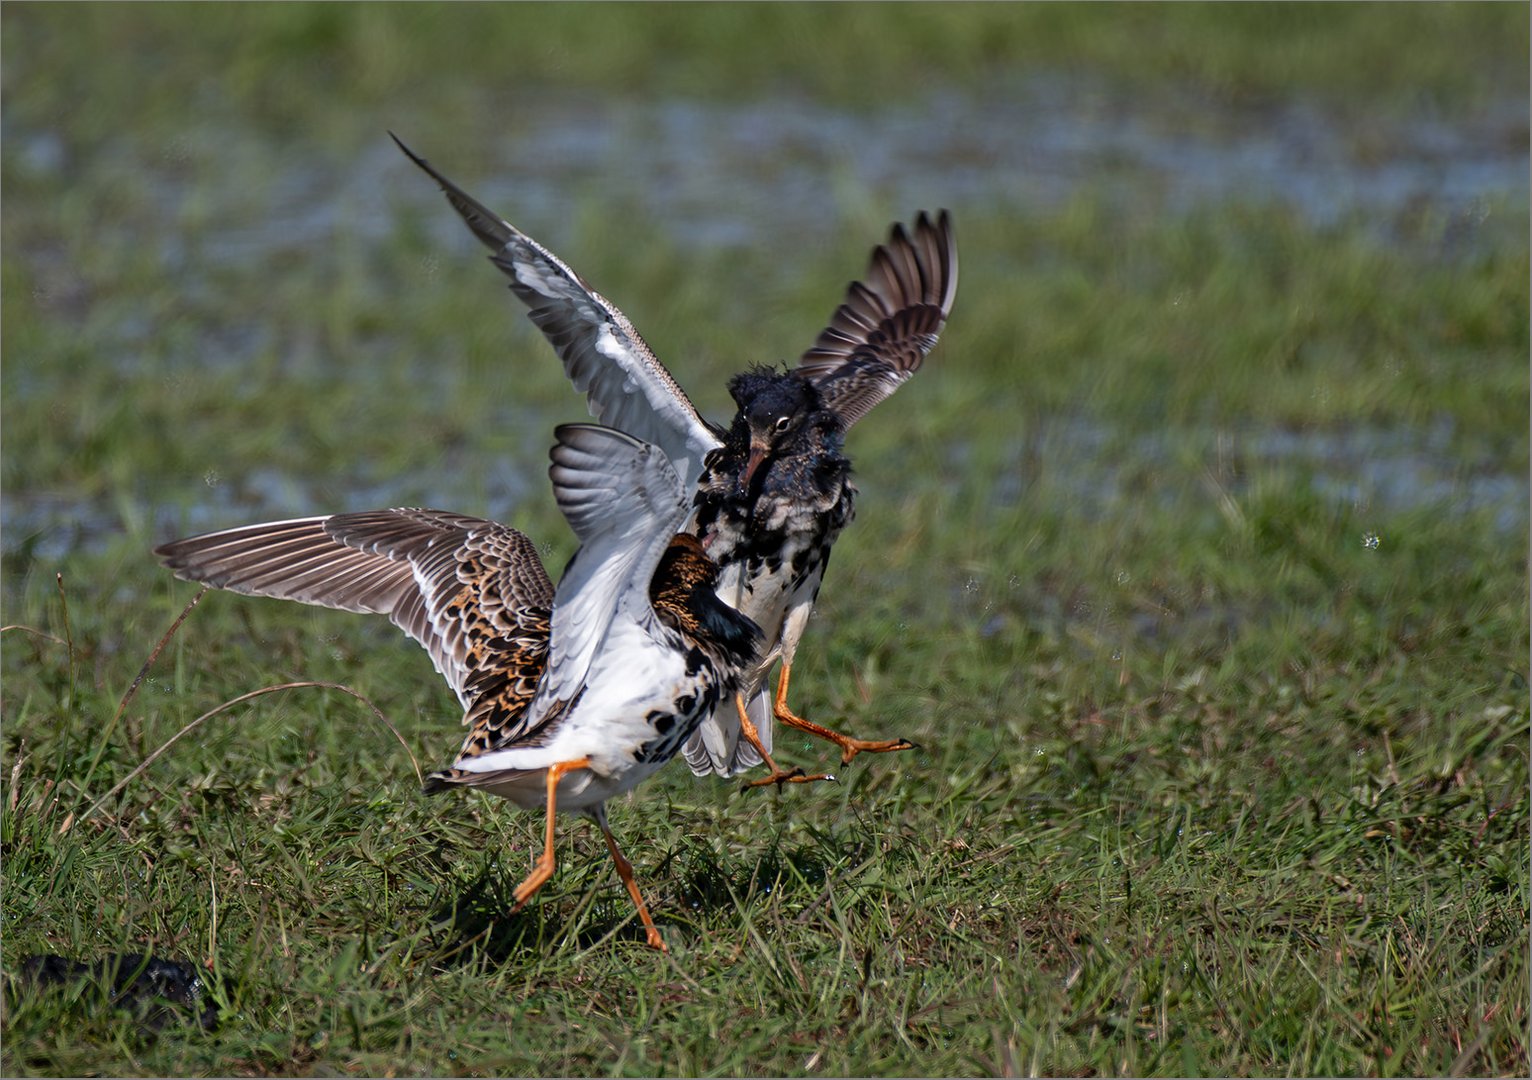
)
(888, 322)
(473, 592)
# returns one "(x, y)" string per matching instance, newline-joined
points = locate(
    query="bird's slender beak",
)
(758, 452)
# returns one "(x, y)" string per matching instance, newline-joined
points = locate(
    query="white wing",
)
(625, 385)
(624, 502)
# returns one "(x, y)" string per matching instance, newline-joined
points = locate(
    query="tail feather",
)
(718, 747)
(500, 781)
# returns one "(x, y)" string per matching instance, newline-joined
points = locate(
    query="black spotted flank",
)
(635, 606)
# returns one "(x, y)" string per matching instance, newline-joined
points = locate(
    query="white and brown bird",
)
(572, 695)
(772, 491)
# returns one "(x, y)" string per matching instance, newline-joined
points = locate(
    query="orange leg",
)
(625, 871)
(542, 870)
(849, 747)
(778, 776)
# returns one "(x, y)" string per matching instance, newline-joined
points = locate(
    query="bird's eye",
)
(782, 422)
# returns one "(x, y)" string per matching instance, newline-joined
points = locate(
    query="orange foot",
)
(779, 776)
(542, 870)
(625, 872)
(849, 747)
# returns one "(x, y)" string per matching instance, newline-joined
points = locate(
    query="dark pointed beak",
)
(758, 451)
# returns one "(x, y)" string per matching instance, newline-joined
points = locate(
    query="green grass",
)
(286, 67)
(1208, 785)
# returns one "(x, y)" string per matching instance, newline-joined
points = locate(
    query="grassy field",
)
(1195, 560)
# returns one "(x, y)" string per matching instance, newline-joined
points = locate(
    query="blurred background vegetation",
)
(1195, 557)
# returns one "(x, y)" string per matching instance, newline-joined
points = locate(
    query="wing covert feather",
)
(460, 586)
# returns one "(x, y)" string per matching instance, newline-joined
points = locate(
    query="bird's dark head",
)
(685, 564)
(683, 597)
(775, 407)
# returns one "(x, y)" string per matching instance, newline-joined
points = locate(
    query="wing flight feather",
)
(888, 322)
(625, 385)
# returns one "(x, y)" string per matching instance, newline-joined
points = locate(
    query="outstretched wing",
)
(624, 502)
(878, 337)
(473, 592)
(625, 385)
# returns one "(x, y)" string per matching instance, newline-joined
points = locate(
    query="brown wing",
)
(473, 592)
(878, 337)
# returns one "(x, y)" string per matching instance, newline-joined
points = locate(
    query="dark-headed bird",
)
(772, 491)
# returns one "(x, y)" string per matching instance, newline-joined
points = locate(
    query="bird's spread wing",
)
(624, 502)
(625, 385)
(473, 592)
(878, 337)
